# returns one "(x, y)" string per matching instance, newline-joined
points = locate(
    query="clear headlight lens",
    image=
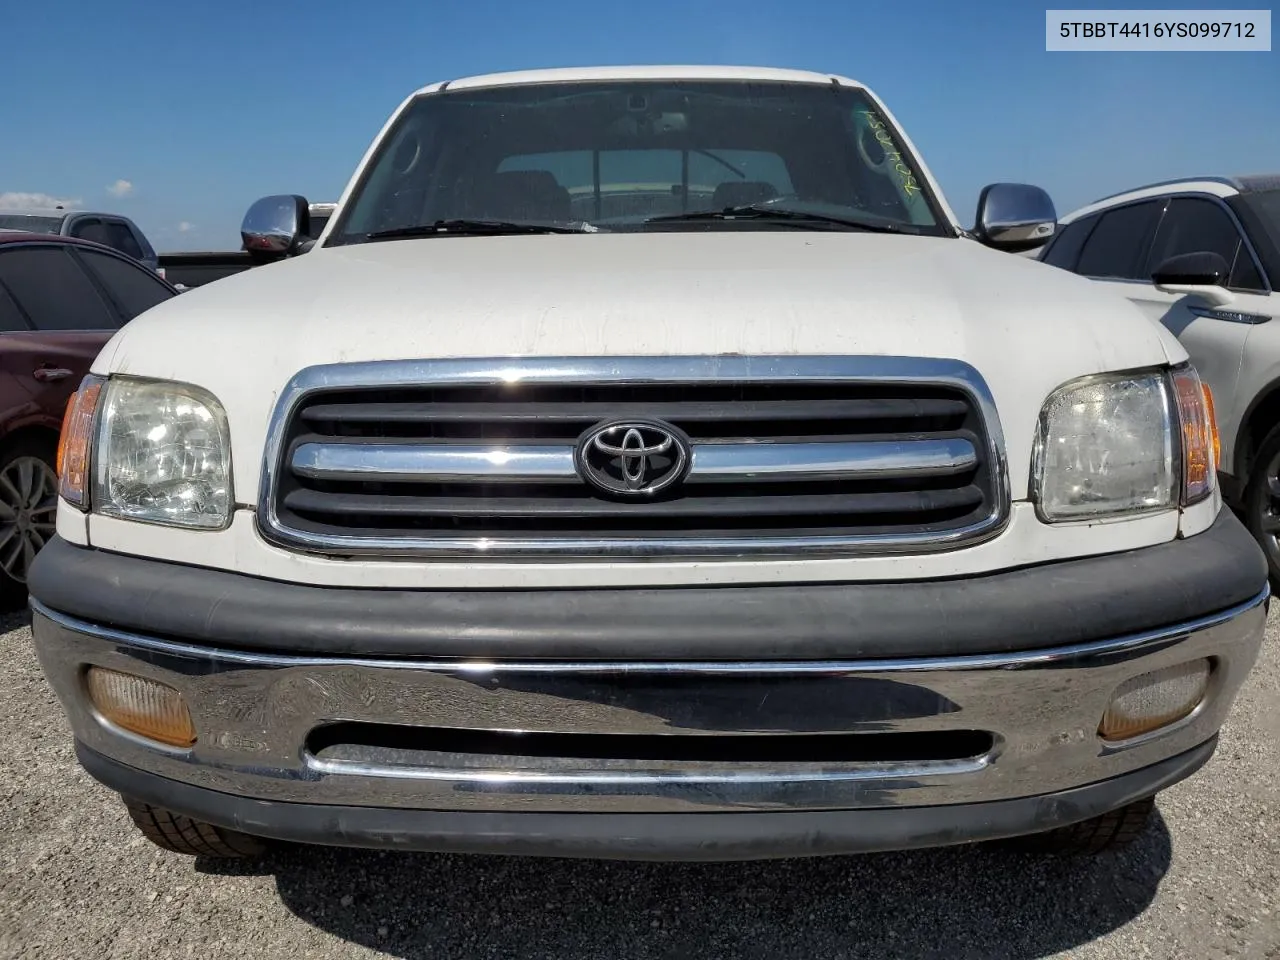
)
(163, 455)
(1105, 447)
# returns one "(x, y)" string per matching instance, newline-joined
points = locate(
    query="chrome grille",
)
(787, 454)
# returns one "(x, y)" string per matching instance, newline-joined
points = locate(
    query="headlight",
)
(163, 455)
(1123, 444)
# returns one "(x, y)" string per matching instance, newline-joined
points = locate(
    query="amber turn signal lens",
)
(146, 707)
(1213, 425)
(1199, 435)
(75, 439)
(1154, 700)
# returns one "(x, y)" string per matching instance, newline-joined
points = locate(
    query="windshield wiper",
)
(765, 211)
(477, 228)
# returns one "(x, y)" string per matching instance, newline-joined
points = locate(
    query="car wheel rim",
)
(28, 513)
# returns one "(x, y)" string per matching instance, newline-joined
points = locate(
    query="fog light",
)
(145, 707)
(1153, 700)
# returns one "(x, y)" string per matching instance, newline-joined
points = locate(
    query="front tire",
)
(1111, 831)
(1262, 502)
(195, 838)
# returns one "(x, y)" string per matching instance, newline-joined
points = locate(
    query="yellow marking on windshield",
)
(910, 186)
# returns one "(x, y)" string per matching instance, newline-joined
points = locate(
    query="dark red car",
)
(61, 299)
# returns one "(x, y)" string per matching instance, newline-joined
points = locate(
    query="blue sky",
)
(181, 114)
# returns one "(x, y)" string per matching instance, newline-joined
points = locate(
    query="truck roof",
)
(59, 213)
(11, 235)
(29, 212)
(570, 74)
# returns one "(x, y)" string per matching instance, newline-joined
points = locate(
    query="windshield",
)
(30, 223)
(616, 154)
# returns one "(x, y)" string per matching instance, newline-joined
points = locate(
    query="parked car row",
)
(108, 229)
(61, 299)
(68, 281)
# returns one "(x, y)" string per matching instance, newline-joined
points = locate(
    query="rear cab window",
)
(115, 234)
(122, 239)
(31, 223)
(90, 228)
(653, 182)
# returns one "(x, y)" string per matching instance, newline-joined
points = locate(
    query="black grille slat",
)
(589, 413)
(374, 505)
(424, 746)
(320, 499)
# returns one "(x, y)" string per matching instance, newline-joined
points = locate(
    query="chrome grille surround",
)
(882, 371)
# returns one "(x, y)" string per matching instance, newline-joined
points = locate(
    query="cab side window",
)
(110, 233)
(122, 239)
(1117, 247)
(91, 228)
(1193, 225)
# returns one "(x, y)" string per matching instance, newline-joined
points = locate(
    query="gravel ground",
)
(78, 881)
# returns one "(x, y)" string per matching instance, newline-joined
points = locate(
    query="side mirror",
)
(1203, 274)
(1014, 217)
(274, 226)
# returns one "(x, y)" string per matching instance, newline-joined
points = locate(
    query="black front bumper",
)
(647, 836)
(1050, 605)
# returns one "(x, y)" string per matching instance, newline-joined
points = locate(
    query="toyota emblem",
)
(632, 458)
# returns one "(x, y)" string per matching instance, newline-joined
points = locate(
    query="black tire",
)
(1262, 502)
(174, 832)
(25, 538)
(1111, 831)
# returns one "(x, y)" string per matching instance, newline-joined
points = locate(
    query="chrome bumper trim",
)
(255, 712)
(1098, 649)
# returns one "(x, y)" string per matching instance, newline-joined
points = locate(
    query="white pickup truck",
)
(645, 463)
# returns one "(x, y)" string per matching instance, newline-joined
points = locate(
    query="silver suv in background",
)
(109, 229)
(1202, 257)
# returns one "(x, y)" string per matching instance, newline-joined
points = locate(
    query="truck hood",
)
(1025, 326)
